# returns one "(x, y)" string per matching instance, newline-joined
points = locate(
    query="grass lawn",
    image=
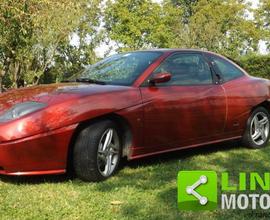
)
(143, 189)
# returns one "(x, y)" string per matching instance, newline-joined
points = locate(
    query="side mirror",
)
(160, 78)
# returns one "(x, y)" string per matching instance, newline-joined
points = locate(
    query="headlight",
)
(20, 110)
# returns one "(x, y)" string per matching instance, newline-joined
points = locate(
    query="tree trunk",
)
(16, 74)
(2, 73)
(1, 81)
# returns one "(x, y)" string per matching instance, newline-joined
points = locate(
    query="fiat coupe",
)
(132, 105)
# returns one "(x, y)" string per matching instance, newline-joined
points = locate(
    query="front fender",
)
(69, 112)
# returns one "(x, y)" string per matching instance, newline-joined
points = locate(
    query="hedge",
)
(256, 65)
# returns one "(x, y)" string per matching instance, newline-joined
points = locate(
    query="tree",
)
(139, 24)
(263, 18)
(70, 59)
(187, 7)
(221, 26)
(218, 25)
(31, 32)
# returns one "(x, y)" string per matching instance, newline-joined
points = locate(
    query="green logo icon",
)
(197, 190)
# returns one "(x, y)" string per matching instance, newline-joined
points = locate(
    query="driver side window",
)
(186, 69)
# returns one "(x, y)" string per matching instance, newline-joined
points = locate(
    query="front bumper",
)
(37, 155)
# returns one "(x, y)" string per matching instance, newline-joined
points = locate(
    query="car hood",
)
(55, 93)
(67, 104)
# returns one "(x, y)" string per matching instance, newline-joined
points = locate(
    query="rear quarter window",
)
(228, 70)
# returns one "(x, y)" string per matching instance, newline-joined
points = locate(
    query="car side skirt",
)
(33, 173)
(138, 155)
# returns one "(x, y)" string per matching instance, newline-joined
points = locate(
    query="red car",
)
(131, 105)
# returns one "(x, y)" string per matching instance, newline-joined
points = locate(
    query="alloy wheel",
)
(259, 129)
(108, 154)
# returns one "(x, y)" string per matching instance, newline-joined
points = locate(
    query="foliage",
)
(187, 7)
(32, 31)
(262, 15)
(140, 24)
(221, 26)
(36, 45)
(256, 65)
(216, 25)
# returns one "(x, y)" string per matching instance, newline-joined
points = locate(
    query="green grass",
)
(143, 189)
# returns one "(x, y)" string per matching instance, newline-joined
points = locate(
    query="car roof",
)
(173, 50)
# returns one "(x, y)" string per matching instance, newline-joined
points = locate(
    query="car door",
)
(238, 89)
(188, 109)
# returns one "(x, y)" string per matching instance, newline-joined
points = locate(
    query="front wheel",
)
(97, 151)
(257, 132)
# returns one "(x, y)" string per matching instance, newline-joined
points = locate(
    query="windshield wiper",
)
(87, 80)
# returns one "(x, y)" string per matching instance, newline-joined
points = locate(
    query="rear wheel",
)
(257, 131)
(97, 151)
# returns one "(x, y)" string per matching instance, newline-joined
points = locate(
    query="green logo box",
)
(197, 190)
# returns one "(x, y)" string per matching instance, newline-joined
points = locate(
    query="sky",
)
(100, 51)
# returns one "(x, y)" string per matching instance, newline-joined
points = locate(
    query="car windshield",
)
(119, 69)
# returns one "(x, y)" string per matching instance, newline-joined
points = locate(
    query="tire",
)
(256, 135)
(94, 158)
